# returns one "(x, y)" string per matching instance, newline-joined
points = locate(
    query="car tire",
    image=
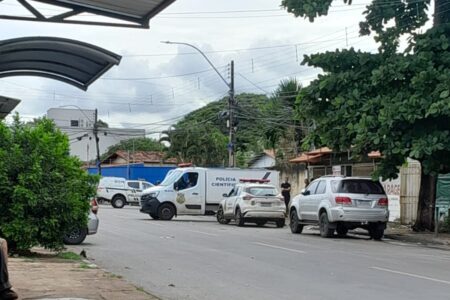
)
(324, 225)
(260, 223)
(280, 223)
(75, 237)
(166, 212)
(294, 224)
(221, 217)
(239, 218)
(118, 201)
(341, 230)
(154, 216)
(376, 232)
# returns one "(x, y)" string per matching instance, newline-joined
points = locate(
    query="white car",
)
(252, 201)
(120, 191)
(78, 235)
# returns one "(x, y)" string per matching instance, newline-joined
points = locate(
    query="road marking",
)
(412, 275)
(205, 233)
(278, 247)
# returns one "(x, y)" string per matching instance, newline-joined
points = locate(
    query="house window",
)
(74, 123)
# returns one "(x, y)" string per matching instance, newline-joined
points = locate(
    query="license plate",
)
(266, 204)
(362, 203)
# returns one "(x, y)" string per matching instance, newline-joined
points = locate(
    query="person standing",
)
(286, 192)
(6, 293)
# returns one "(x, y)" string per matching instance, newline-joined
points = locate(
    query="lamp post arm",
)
(204, 56)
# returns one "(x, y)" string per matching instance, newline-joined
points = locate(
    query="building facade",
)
(78, 124)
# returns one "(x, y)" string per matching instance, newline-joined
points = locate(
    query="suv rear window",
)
(357, 186)
(262, 191)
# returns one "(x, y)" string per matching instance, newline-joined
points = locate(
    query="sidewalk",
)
(49, 276)
(406, 234)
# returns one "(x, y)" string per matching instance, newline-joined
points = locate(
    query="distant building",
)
(148, 158)
(78, 124)
(265, 159)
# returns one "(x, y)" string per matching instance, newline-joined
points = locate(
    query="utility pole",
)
(99, 167)
(231, 160)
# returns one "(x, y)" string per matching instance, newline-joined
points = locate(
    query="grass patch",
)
(84, 265)
(112, 276)
(68, 256)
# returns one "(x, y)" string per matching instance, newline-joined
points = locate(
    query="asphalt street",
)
(197, 258)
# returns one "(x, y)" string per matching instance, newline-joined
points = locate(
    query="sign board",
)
(337, 170)
(443, 193)
(392, 189)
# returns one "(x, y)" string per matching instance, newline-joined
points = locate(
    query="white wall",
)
(81, 138)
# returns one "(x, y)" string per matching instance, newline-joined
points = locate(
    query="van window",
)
(188, 180)
(133, 185)
(146, 185)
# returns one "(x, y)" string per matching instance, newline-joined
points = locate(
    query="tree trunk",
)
(427, 201)
(441, 12)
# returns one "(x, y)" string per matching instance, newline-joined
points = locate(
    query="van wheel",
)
(280, 223)
(221, 218)
(154, 217)
(118, 201)
(166, 212)
(324, 224)
(295, 225)
(239, 218)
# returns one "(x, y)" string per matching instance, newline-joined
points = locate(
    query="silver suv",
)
(339, 204)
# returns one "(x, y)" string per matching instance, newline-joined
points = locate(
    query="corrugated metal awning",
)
(135, 13)
(70, 61)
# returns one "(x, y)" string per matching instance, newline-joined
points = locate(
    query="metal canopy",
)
(70, 61)
(137, 13)
(7, 105)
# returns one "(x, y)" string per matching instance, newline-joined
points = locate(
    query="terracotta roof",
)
(143, 157)
(307, 158)
(374, 154)
(323, 150)
(270, 152)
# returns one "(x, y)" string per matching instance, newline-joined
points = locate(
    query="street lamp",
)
(230, 85)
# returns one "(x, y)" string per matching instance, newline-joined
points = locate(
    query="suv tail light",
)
(343, 201)
(94, 205)
(383, 202)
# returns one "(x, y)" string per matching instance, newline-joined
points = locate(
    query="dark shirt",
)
(286, 185)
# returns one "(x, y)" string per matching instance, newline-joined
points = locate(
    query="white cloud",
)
(129, 103)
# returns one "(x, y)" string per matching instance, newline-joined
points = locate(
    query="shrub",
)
(43, 190)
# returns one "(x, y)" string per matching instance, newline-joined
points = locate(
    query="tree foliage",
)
(44, 193)
(393, 101)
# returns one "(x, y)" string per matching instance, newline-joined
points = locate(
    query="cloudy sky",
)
(155, 84)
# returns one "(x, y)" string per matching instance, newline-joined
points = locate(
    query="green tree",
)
(393, 101)
(136, 144)
(44, 193)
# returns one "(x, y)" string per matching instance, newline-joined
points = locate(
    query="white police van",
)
(196, 191)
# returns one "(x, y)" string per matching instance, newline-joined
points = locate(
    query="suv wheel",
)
(280, 223)
(239, 218)
(341, 230)
(221, 218)
(154, 216)
(75, 237)
(324, 224)
(295, 225)
(376, 231)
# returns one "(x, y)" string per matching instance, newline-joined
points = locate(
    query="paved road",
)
(197, 258)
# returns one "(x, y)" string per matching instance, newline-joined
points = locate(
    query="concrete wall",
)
(296, 175)
(82, 141)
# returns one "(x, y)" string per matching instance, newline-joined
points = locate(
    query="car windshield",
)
(262, 191)
(171, 178)
(357, 186)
